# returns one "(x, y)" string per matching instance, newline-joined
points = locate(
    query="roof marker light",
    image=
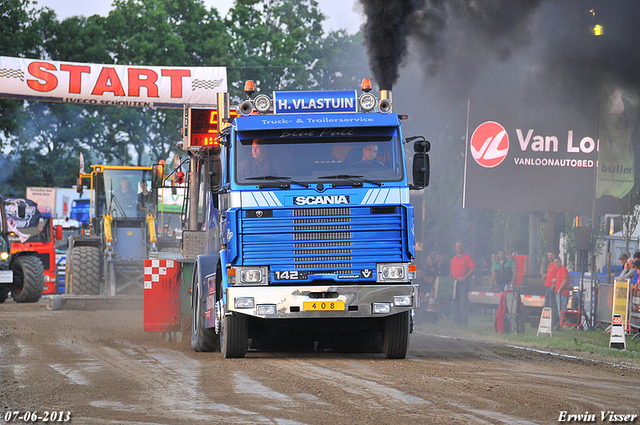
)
(249, 88)
(366, 85)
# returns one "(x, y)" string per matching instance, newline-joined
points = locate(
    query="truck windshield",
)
(375, 158)
(128, 192)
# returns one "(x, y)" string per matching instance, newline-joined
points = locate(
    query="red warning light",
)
(204, 127)
(180, 177)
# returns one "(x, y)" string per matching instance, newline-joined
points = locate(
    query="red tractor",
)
(34, 234)
(21, 273)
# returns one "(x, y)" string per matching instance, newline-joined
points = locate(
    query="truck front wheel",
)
(28, 280)
(85, 273)
(202, 338)
(234, 335)
(395, 337)
(4, 293)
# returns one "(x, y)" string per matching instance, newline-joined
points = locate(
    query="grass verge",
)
(591, 344)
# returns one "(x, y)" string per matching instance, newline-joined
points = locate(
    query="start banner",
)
(110, 85)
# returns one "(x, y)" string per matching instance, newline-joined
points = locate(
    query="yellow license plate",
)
(323, 305)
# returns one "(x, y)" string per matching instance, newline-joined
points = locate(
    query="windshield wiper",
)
(359, 179)
(277, 178)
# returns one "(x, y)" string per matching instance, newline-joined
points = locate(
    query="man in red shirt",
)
(462, 268)
(562, 286)
(550, 285)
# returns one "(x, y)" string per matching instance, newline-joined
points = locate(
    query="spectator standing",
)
(635, 286)
(430, 274)
(636, 259)
(442, 266)
(503, 272)
(628, 268)
(462, 268)
(550, 288)
(562, 287)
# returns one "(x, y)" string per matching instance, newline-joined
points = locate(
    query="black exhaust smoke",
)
(386, 30)
(497, 25)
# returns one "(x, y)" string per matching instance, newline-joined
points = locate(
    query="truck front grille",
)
(327, 240)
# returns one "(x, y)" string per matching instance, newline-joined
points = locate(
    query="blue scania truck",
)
(299, 223)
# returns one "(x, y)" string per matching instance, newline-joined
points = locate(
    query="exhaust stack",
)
(385, 101)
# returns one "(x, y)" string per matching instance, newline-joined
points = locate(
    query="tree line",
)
(278, 43)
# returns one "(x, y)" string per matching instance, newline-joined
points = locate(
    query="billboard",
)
(550, 157)
(110, 85)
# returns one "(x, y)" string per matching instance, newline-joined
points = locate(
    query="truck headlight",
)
(252, 275)
(239, 303)
(402, 300)
(4, 256)
(262, 103)
(266, 310)
(381, 308)
(367, 102)
(392, 272)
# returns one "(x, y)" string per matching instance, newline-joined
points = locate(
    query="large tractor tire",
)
(85, 275)
(395, 338)
(202, 339)
(28, 280)
(4, 293)
(234, 336)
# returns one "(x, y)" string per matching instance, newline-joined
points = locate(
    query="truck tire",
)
(234, 336)
(4, 293)
(395, 337)
(85, 272)
(202, 339)
(28, 281)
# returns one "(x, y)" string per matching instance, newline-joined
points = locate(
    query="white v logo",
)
(489, 149)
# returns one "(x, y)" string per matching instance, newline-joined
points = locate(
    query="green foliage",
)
(279, 43)
(628, 208)
(343, 63)
(510, 231)
(166, 32)
(18, 34)
(275, 43)
(76, 39)
(18, 37)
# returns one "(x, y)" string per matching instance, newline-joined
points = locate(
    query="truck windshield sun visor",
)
(370, 155)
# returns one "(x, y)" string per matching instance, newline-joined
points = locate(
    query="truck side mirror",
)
(421, 164)
(422, 146)
(22, 210)
(58, 232)
(421, 170)
(214, 180)
(157, 174)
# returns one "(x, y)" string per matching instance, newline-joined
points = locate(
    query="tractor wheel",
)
(395, 337)
(85, 273)
(202, 338)
(234, 335)
(28, 280)
(4, 293)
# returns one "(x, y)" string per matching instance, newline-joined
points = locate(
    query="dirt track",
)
(104, 369)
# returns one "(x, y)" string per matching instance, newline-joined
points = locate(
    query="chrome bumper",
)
(288, 301)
